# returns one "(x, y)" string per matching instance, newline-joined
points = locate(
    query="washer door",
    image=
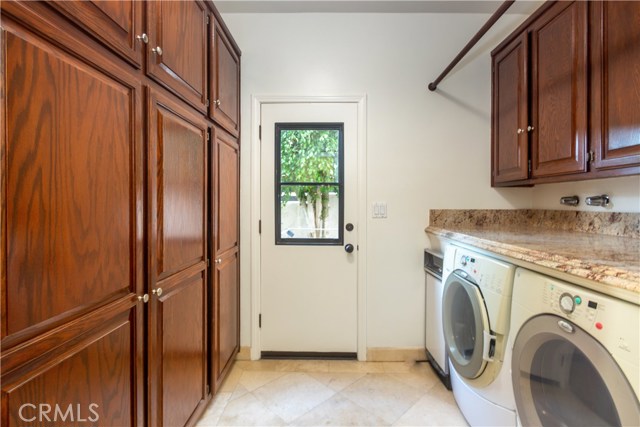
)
(562, 376)
(465, 324)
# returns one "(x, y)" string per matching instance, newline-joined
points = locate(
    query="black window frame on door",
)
(279, 127)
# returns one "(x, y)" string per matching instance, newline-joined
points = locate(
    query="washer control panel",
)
(489, 273)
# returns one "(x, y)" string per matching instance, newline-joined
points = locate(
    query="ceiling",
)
(372, 6)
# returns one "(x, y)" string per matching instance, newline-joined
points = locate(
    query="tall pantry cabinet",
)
(119, 251)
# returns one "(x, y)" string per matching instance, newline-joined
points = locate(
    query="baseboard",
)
(244, 353)
(395, 354)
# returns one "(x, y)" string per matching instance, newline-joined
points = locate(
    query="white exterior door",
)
(309, 238)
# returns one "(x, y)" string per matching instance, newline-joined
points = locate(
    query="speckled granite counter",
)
(597, 250)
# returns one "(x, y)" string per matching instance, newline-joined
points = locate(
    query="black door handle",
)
(348, 247)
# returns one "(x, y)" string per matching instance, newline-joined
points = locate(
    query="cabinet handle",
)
(218, 261)
(157, 292)
(217, 102)
(530, 128)
(157, 50)
(520, 131)
(143, 38)
(143, 298)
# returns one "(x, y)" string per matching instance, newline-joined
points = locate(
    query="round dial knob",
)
(567, 304)
(463, 260)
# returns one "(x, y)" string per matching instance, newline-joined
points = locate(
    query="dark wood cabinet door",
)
(225, 82)
(115, 22)
(177, 355)
(225, 302)
(510, 113)
(177, 49)
(615, 83)
(73, 153)
(94, 379)
(226, 321)
(559, 90)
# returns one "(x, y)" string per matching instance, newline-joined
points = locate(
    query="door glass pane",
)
(309, 183)
(463, 323)
(567, 389)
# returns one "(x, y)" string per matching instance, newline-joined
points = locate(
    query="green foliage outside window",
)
(310, 156)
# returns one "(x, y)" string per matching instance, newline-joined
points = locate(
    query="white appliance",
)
(476, 308)
(434, 339)
(575, 355)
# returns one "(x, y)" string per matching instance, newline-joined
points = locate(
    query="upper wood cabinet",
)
(558, 124)
(615, 84)
(117, 23)
(224, 107)
(510, 112)
(574, 75)
(177, 48)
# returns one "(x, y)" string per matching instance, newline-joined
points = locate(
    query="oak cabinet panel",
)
(225, 82)
(178, 362)
(66, 120)
(177, 48)
(226, 336)
(178, 143)
(225, 274)
(615, 86)
(96, 381)
(510, 112)
(115, 22)
(559, 91)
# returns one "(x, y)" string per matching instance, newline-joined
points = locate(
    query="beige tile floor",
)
(332, 393)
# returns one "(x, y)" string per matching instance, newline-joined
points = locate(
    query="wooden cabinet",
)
(177, 48)
(510, 155)
(111, 313)
(615, 86)
(226, 286)
(225, 81)
(177, 257)
(117, 23)
(558, 123)
(573, 74)
(72, 177)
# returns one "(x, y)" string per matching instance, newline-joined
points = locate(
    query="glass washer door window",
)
(568, 378)
(464, 318)
(309, 183)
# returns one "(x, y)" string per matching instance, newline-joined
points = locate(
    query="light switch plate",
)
(379, 210)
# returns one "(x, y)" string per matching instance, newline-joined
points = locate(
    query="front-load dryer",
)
(576, 355)
(475, 318)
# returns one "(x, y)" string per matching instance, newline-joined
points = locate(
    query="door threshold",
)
(308, 355)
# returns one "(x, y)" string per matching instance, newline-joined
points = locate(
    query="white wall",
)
(425, 150)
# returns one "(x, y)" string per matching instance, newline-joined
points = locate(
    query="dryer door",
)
(563, 376)
(465, 323)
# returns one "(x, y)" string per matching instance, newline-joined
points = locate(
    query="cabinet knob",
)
(157, 291)
(157, 50)
(143, 38)
(218, 261)
(217, 102)
(520, 131)
(530, 128)
(143, 298)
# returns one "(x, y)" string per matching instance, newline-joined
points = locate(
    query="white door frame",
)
(256, 105)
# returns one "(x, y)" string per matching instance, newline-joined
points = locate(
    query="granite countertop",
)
(604, 248)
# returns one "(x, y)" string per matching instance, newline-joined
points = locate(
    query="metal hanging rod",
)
(498, 13)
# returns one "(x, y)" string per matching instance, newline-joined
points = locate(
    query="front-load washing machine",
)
(576, 355)
(475, 319)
